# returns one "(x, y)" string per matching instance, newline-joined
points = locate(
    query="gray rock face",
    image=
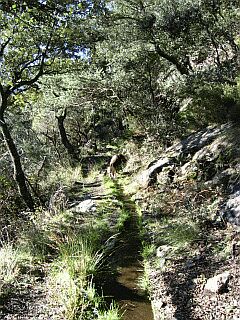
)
(197, 147)
(197, 141)
(148, 176)
(88, 205)
(210, 156)
(231, 211)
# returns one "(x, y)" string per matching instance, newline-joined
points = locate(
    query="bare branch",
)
(3, 47)
(41, 66)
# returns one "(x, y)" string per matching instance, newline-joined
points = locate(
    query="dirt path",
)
(29, 300)
(30, 297)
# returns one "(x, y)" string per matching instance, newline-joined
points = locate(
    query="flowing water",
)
(133, 303)
(125, 289)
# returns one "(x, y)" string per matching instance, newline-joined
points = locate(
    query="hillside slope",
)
(190, 203)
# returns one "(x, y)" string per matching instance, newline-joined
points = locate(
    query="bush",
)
(213, 103)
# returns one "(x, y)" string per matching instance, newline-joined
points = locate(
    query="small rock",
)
(85, 206)
(190, 264)
(218, 283)
(162, 251)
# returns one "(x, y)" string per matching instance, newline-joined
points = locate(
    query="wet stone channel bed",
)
(125, 290)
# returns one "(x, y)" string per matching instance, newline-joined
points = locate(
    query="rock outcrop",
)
(231, 209)
(210, 156)
(200, 146)
(191, 216)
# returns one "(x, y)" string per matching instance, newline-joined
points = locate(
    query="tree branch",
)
(23, 66)
(40, 72)
(172, 59)
(3, 47)
(3, 104)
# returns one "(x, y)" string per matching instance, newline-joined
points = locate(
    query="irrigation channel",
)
(125, 288)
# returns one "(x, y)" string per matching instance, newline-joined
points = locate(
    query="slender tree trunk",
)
(64, 138)
(19, 175)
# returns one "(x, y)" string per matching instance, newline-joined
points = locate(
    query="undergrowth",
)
(12, 261)
(69, 250)
(71, 276)
(175, 223)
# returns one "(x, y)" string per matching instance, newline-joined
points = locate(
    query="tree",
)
(154, 51)
(37, 38)
(180, 31)
(94, 116)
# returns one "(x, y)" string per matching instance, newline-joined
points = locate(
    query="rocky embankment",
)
(190, 201)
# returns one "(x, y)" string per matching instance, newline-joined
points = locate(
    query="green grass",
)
(12, 261)
(77, 262)
(62, 176)
(70, 250)
(73, 253)
(9, 264)
(112, 314)
(120, 201)
(110, 186)
(148, 250)
(180, 235)
(144, 280)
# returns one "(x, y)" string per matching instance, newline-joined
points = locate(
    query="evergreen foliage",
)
(79, 79)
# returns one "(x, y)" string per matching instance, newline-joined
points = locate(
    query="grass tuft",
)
(12, 261)
(78, 261)
(112, 314)
(179, 235)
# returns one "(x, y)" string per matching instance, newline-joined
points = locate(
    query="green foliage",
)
(93, 115)
(122, 71)
(8, 198)
(223, 249)
(127, 70)
(213, 103)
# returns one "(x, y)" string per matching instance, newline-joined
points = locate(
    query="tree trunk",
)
(19, 175)
(64, 138)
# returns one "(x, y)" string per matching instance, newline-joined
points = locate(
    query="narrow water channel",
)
(125, 289)
(133, 303)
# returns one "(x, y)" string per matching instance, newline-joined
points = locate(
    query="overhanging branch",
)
(30, 82)
(172, 59)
